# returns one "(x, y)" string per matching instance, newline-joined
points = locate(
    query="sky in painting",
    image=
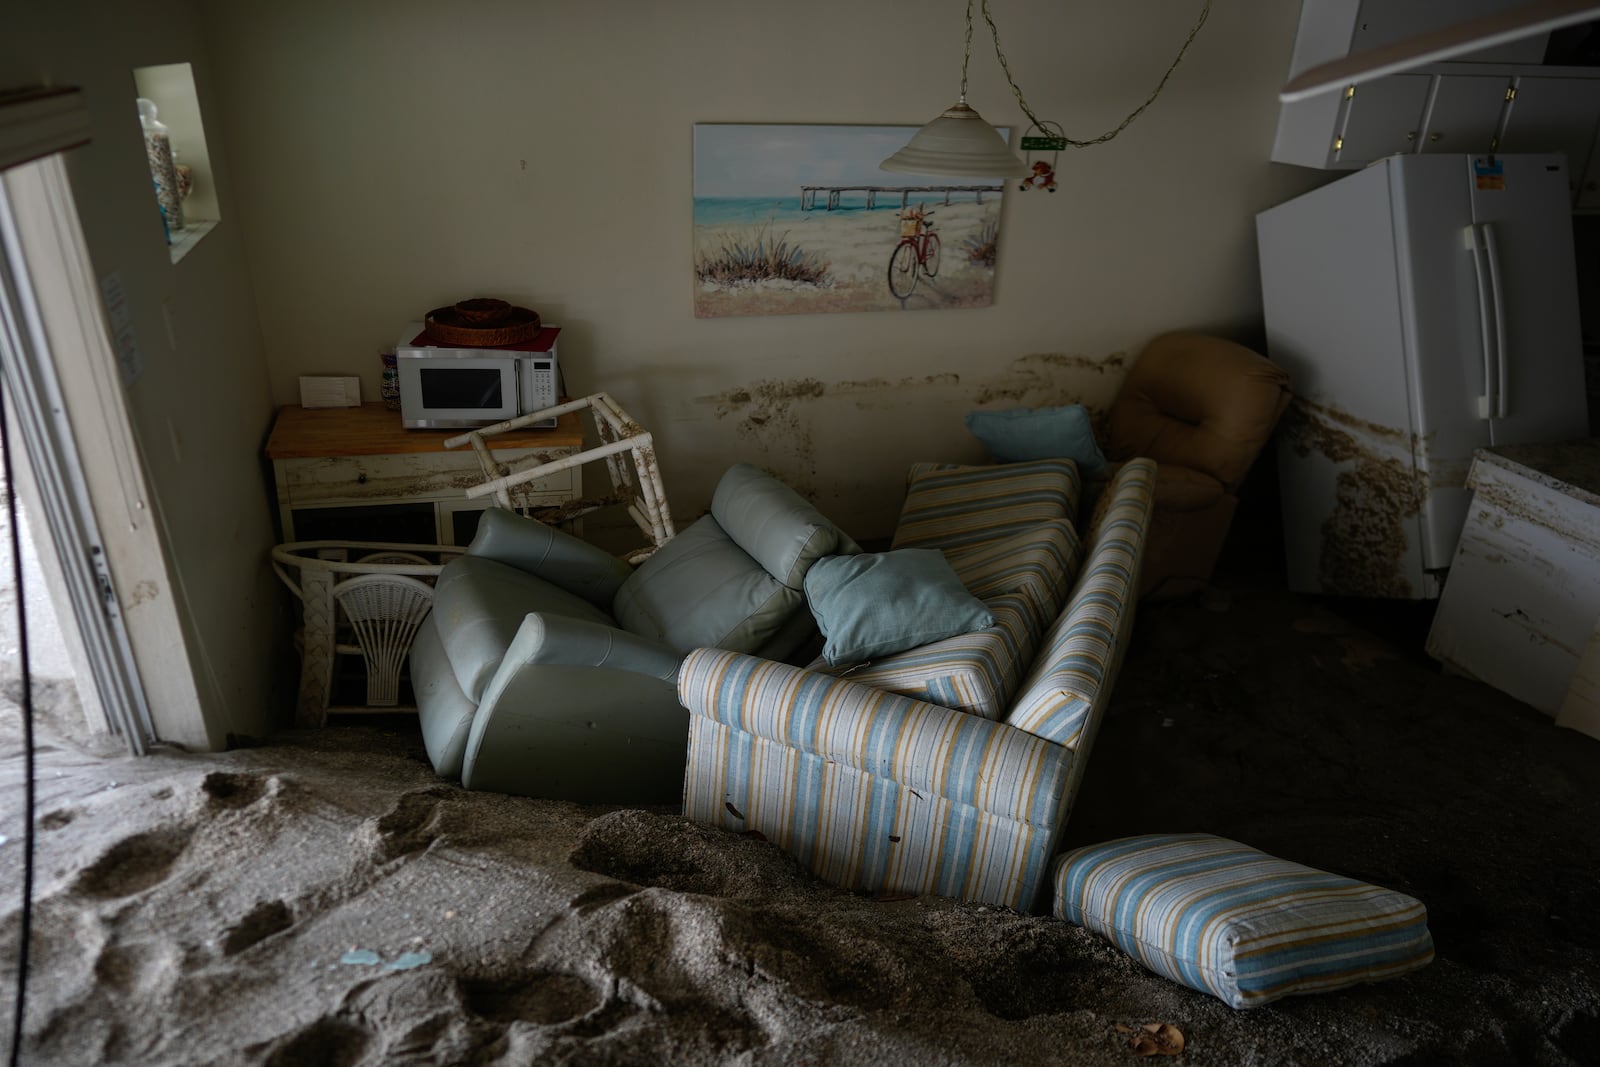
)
(773, 160)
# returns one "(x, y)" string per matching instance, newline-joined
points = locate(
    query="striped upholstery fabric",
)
(872, 790)
(974, 672)
(1039, 563)
(1080, 654)
(1231, 921)
(950, 507)
(875, 790)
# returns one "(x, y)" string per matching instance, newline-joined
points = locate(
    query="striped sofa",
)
(948, 769)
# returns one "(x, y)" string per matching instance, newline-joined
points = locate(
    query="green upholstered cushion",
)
(479, 605)
(774, 524)
(552, 554)
(878, 603)
(702, 589)
(443, 710)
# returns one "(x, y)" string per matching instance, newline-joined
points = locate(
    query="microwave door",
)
(443, 393)
(457, 388)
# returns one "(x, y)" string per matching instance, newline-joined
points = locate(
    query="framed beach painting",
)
(795, 219)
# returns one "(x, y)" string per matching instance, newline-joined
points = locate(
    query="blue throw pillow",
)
(876, 604)
(1018, 434)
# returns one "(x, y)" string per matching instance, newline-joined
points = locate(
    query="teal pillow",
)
(876, 604)
(1017, 434)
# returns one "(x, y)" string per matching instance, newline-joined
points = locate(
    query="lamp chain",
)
(966, 49)
(1026, 110)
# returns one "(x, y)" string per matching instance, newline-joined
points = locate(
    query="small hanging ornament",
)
(1041, 171)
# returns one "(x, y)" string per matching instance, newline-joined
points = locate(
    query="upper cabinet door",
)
(1384, 119)
(1385, 22)
(1465, 114)
(1554, 115)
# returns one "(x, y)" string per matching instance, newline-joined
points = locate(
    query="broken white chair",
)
(621, 438)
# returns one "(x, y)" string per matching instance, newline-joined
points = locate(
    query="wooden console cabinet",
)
(357, 474)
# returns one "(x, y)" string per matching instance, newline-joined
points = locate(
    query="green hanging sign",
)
(1043, 144)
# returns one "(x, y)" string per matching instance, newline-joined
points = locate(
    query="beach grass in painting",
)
(797, 219)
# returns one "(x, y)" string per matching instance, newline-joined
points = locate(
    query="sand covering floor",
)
(325, 899)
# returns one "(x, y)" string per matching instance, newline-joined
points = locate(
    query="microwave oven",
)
(448, 388)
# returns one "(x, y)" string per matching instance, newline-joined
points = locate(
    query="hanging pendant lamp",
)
(960, 143)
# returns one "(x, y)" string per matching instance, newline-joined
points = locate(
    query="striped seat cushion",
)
(1231, 921)
(1039, 563)
(1078, 657)
(974, 672)
(950, 507)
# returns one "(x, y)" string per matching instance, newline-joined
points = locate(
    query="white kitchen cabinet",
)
(1554, 114)
(1382, 119)
(1333, 29)
(1464, 115)
(1466, 105)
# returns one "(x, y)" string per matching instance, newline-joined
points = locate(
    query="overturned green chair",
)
(549, 667)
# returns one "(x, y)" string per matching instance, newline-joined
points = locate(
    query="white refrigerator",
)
(1423, 307)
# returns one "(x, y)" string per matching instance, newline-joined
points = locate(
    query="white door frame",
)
(73, 418)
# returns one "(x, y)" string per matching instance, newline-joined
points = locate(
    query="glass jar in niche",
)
(163, 170)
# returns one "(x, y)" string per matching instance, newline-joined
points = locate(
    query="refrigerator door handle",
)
(1478, 243)
(1502, 403)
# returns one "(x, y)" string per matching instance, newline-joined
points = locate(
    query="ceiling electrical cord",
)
(24, 934)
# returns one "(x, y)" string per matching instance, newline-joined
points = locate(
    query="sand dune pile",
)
(327, 900)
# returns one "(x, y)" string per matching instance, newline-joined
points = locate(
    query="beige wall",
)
(374, 160)
(392, 157)
(202, 408)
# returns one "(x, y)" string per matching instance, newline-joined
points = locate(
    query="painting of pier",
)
(792, 219)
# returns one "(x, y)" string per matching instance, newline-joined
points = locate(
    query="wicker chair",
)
(357, 598)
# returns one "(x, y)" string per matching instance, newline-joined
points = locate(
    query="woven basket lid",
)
(481, 323)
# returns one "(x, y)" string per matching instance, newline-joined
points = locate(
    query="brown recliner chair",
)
(1202, 408)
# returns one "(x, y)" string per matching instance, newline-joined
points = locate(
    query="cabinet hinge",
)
(1349, 92)
(1511, 93)
(1338, 144)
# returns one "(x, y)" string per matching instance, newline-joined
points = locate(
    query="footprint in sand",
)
(262, 922)
(227, 790)
(133, 865)
(326, 1042)
(405, 828)
(543, 999)
(130, 967)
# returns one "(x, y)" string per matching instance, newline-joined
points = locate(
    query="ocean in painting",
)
(715, 211)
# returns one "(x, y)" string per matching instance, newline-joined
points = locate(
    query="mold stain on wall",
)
(776, 416)
(1376, 498)
(1047, 378)
(778, 419)
(770, 422)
